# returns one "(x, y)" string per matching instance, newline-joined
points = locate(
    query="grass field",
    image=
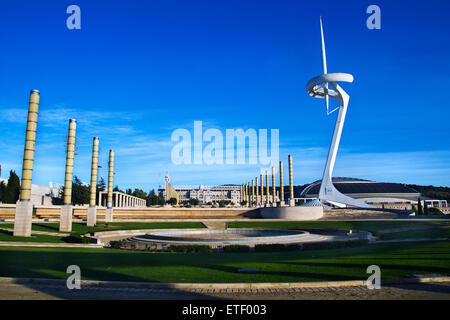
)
(394, 259)
(371, 226)
(81, 228)
(432, 233)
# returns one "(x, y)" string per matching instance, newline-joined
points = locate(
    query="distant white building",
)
(42, 195)
(205, 194)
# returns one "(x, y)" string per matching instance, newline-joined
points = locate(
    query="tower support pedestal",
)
(65, 222)
(92, 216)
(109, 215)
(23, 218)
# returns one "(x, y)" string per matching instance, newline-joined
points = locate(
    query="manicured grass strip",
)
(439, 232)
(81, 228)
(35, 238)
(371, 226)
(395, 260)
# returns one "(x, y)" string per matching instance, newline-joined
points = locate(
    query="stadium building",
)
(378, 194)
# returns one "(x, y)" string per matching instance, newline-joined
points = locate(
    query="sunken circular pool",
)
(229, 236)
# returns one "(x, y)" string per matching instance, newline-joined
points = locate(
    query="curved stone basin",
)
(234, 236)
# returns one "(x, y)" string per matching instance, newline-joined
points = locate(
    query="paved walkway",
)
(420, 291)
(48, 245)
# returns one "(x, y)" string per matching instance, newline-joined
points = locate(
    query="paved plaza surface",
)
(421, 291)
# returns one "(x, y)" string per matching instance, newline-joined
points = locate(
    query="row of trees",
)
(9, 193)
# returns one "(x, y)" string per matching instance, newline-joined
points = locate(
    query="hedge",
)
(236, 248)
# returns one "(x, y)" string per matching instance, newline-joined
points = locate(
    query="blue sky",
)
(138, 70)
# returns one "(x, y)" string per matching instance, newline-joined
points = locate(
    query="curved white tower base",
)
(318, 88)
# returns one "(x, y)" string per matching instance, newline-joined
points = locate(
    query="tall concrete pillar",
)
(240, 194)
(257, 191)
(253, 194)
(24, 208)
(65, 221)
(267, 188)
(274, 190)
(281, 184)
(262, 190)
(92, 210)
(291, 184)
(109, 202)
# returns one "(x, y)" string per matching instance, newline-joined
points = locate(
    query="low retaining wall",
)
(292, 213)
(7, 212)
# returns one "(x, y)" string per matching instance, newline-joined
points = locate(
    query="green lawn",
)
(371, 226)
(81, 228)
(34, 238)
(432, 233)
(395, 260)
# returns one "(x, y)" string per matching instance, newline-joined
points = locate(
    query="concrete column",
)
(240, 193)
(281, 184)
(109, 201)
(291, 184)
(267, 188)
(274, 190)
(24, 208)
(253, 193)
(262, 190)
(257, 191)
(92, 210)
(65, 219)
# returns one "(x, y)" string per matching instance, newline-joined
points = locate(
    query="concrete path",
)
(420, 291)
(215, 225)
(45, 233)
(48, 245)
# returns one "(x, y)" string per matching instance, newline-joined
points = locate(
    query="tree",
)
(2, 191)
(153, 199)
(140, 194)
(425, 208)
(116, 189)
(224, 203)
(194, 202)
(12, 190)
(101, 185)
(80, 192)
(172, 201)
(419, 207)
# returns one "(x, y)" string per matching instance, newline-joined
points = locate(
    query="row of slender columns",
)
(125, 200)
(262, 197)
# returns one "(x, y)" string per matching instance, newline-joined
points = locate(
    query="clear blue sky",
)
(137, 70)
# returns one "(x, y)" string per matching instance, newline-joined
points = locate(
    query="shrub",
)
(115, 244)
(276, 247)
(236, 248)
(434, 211)
(75, 239)
(193, 248)
(335, 244)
